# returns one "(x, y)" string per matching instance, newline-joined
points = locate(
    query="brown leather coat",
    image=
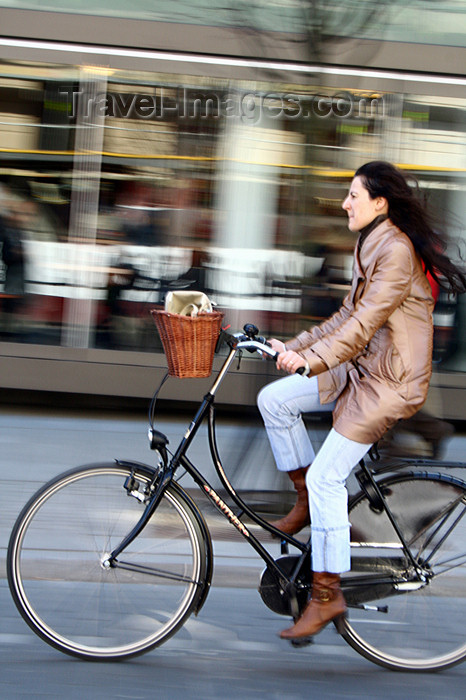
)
(374, 355)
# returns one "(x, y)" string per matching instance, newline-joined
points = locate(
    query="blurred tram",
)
(142, 153)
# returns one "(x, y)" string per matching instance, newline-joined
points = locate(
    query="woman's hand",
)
(289, 361)
(276, 345)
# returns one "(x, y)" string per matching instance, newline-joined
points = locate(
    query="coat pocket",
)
(391, 366)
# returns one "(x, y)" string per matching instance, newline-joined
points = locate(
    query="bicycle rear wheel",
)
(57, 563)
(410, 626)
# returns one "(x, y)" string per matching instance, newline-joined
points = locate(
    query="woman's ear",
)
(381, 205)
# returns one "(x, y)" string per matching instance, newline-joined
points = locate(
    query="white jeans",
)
(282, 404)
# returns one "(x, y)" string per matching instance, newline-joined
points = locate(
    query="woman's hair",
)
(406, 211)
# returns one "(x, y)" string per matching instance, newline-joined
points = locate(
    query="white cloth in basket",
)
(188, 303)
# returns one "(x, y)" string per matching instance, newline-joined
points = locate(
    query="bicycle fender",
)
(150, 470)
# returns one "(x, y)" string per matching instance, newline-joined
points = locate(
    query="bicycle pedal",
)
(304, 642)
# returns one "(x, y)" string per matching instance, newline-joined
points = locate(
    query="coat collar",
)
(364, 232)
(371, 233)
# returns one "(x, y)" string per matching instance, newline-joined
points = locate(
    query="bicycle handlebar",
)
(257, 346)
(261, 346)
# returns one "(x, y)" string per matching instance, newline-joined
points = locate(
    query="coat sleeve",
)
(386, 289)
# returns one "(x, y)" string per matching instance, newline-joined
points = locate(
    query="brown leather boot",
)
(298, 517)
(326, 604)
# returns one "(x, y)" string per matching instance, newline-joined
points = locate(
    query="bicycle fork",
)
(132, 487)
(158, 441)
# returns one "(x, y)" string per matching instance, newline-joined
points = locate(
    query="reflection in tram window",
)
(132, 180)
(249, 195)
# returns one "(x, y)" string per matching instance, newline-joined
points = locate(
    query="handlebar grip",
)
(300, 370)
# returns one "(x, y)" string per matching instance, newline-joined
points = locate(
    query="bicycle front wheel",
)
(406, 623)
(58, 563)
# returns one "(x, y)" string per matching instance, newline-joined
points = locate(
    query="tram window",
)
(247, 208)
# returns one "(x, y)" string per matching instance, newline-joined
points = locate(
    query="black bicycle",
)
(107, 561)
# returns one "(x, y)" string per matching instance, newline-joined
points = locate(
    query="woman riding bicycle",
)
(370, 363)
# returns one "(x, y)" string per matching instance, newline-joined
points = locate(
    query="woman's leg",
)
(282, 404)
(328, 501)
(330, 532)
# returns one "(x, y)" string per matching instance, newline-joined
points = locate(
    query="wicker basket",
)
(188, 342)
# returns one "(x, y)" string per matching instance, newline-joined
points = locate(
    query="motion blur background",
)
(154, 146)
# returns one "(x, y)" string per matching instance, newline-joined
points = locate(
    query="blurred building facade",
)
(195, 146)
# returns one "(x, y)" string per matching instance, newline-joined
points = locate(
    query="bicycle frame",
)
(179, 459)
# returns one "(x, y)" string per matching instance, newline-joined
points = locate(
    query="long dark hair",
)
(406, 211)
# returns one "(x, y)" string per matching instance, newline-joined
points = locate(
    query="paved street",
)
(232, 649)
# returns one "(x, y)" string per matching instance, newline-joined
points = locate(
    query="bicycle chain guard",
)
(278, 599)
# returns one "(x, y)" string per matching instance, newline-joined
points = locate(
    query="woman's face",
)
(359, 206)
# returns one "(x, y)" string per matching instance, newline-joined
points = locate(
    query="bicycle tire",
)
(420, 629)
(57, 551)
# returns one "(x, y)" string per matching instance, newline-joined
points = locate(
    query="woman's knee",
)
(314, 483)
(267, 400)
(262, 400)
(321, 485)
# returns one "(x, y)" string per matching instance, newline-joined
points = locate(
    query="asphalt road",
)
(232, 649)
